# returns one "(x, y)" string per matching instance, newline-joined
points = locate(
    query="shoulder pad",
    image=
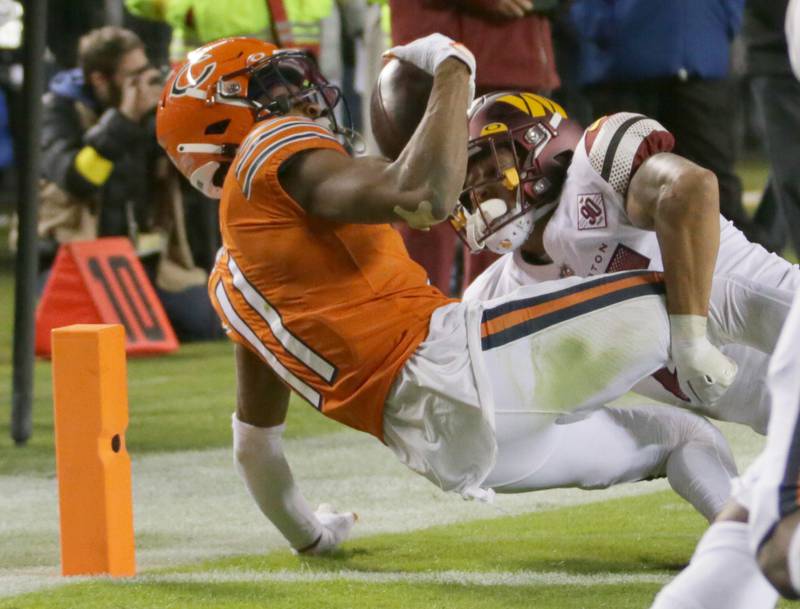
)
(617, 144)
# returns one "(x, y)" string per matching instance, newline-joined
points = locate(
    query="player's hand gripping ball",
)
(401, 93)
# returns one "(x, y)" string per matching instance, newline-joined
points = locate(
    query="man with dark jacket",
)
(104, 175)
(98, 137)
(669, 60)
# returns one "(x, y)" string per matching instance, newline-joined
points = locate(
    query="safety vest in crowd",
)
(295, 23)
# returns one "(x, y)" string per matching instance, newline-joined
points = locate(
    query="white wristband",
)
(687, 327)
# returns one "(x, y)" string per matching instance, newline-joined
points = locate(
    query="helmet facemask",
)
(285, 80)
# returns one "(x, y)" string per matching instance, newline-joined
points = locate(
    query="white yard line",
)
(20, 584)
(461, 578)
(191, 506)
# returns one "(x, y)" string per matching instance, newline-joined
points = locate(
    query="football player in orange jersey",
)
(321, 298)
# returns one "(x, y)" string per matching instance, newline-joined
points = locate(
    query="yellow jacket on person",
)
(195, 22)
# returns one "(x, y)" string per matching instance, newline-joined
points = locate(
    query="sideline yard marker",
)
(103, 282)
(90, 400)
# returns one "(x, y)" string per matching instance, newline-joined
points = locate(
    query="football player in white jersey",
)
(613, 198)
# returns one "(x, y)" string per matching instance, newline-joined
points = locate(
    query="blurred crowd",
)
(713, 72)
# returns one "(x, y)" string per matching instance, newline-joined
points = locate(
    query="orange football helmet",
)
(212, 100)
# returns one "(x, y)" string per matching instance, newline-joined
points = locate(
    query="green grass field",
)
(202, 543)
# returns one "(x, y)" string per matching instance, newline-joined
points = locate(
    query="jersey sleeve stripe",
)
(515, 320)
(524, 303)
(265, 154)
(245, 332)
(613, 145)
(249, 146)
(293, 345)
(621, 138)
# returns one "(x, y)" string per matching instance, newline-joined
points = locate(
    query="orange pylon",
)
(90, 399)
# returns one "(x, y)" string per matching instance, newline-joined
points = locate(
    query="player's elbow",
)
(693, 189)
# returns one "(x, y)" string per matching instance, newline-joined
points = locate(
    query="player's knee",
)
(697, 430)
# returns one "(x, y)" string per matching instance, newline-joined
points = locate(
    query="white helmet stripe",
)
(202, 148)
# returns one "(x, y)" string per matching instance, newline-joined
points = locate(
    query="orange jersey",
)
(334, 309)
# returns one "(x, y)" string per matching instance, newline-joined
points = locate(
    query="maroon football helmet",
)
(525, 143)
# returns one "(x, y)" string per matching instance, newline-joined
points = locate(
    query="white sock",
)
(723, 574)
(258, 456)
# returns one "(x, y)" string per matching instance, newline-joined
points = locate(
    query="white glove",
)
(335, 529)
(704, 372)
(428, 52)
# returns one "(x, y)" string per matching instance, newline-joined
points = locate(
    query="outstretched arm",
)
(679, 200)
(420, 187)
(258, 425)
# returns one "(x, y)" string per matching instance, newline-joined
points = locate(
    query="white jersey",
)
(590, 233)
(507, 395)
(508, 273)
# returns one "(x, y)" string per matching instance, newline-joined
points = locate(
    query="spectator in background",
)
(670, 60)
(99, 148)
(777, 100)
(513, 50)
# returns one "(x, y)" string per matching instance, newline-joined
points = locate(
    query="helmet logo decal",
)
(494, 128)
(187, 79)
(532, 104)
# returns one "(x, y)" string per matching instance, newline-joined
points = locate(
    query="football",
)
(397, 104)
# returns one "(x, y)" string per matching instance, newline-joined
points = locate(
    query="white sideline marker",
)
(460, 578)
